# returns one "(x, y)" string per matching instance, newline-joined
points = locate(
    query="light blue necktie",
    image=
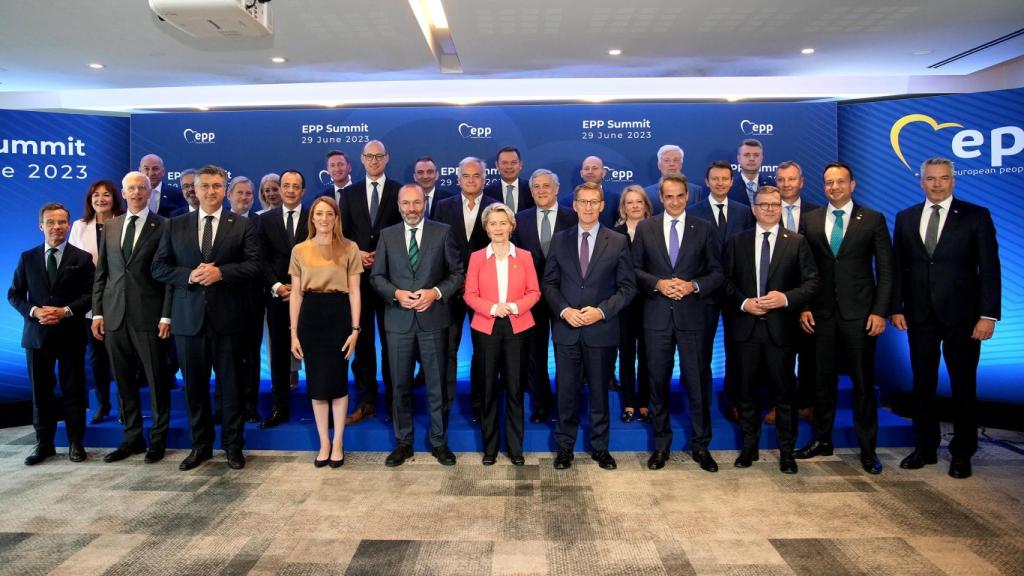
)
(673, 243)
(751, 191)
(790, 222)
(837, 233)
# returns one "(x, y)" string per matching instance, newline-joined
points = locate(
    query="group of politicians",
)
(184, 278)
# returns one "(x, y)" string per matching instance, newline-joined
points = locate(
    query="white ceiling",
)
(46, 46)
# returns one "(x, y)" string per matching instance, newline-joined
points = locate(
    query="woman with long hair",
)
(634, 207)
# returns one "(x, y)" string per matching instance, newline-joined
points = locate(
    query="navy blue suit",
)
(496, 190)
(589, 351)
(739, 193)
(439, 194)
(172, 202)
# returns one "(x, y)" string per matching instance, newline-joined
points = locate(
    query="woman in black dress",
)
(634, 207)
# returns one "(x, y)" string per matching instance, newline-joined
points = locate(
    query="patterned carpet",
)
(280, 515)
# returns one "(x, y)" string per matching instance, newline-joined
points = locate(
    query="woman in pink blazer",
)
(501, 287)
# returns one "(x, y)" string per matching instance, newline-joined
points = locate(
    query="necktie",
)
(721, 223)
(673, 244)
(751, 191)
(129, 238)
(837, 233)
(51, 265)
(510, 197)
(414, 250)
(790, 221)
(766, 260)
(428, 204)
(290, 226)
(374, 203)
(545, 231)
(207, 246)
(931, 233)
(584, 254)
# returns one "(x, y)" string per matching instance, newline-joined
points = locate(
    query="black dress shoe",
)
(517, 459)
(318, 463)
(960, 468)
(337, 463)
(76, 452)
(489, 459)
(122, 452)
(813, 449)
(644, 417)
(236, 460)
(706, 461)
(628, 416)
(564, 459)
(476, 414)
(747, 457)
(917, 460)
(39, 454)
(276, 418)
(539, 417)
(604, 459)
(398, 456)
(443, 455)
(100, 415)
(657, 460)
(252, 417)
(154, 454)
(871, 464)
(787, 464)
(194, 459)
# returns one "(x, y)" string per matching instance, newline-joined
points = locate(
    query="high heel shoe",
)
(338, 463)
(318, 463)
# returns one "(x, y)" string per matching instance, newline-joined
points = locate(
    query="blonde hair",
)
(648, 207)
(339, 244)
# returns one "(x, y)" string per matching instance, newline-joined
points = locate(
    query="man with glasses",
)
(367, 207)
(853, 252)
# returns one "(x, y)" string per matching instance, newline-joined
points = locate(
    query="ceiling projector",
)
(216, 18)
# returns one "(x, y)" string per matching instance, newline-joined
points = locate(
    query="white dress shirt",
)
(758, 239)
(469, 215)
(926, 215)
(215, 224)
(714, 207)
(680, 226)
(369, 191)
(830, 219)
(796, 213)
(154, 199)
(501, 264)
(143, 214)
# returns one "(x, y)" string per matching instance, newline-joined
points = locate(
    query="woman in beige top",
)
(324, 309)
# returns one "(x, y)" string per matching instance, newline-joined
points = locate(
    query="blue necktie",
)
(751, 192)
(766, 261)
(790, 222)
(837, 233)
(673, 244)
(374, 203)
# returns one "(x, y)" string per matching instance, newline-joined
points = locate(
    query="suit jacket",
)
(693, 191)
(73, 287)
(527, 237)
(171, 201)
(449, 211)
(125, 292)
(329, 191)
(277, 246)
(83, 235)
(859, 280)
(738, 192)
(698, 261)
(482, 290)
(439, 194)
(496, 190)
(355, 213)
(960, 282)
(738, 217)
(792, 271)
(439, 268)
(236, 251)
(609, 285)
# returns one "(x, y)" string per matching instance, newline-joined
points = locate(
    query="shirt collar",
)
(848, 209)
(418, 226)
(141, 213)
(297, 210)
(945, 203)
(774, 230)
(797, 203)
(593, 231)
(714, 202)
(511, 251)
(379, 181)
(60, 247)
(216, 215)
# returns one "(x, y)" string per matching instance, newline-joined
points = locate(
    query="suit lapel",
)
(192, 231)
(853, 226)
(952, 221)
(600, 243)
(659, 236)
(227, 221)
(38, 266)
(781, 245)
(147, 234)
(113, 233)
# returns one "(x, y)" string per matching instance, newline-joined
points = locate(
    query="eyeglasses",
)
(769, 205)
(375, 156)
(588, 203)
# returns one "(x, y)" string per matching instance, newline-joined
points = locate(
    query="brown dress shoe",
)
(361, 413)
(769, 418)
(806, 414)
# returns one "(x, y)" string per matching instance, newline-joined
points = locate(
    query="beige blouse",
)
(316, 273)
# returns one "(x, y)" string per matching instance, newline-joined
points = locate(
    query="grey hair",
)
(670, 148)
(544, 172)
(936, 161)
(498, 207)
(236, 181)
(471, 159)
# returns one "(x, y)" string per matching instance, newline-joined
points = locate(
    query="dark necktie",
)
(545, 231)
(414, 250)
(584, 254)
(510, 197)
(722, 223)
(374, 203)
(51, 265)
(837, 233)
(290, 226)
(766, 260)
(931, 233)
(207, 247)
(428, 205)
(673, 244)
(129, 238)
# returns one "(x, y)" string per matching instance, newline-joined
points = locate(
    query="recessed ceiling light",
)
(733, 98)
(96, 66)
(807, 51)
(278, 60)
(203, 108)
(615, 52)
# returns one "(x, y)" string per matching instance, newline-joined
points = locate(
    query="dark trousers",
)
(252, 343)
(278, 330)
(132, 351)
(68, 360)
(431, 346)
(222, 353)
(662, 346)
(634, 380)
(575, 363)
(459, 314)
(928, 339)
(763, 360)
(806, 369)
(535, 351)
(364, 365)
(835, 337)
(501, 353)
(99, 365)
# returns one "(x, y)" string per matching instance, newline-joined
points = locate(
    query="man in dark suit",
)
(588, 280)
(948, 297)
(241, 197)
(458, 212)
(535, 227)
(280, 230)
(677, 266)
(425, 174)
(208, 257)
(51, 290)
(749, 158)
(670, 161)
(853, 252)
(340, 170)
(418, 273)
(166, 199)
(132, 313)
(187, 182)
(510, 189)
(770, 275)
(367, 207)
(729, 219)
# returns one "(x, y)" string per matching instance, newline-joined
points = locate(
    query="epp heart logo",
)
(897, 127)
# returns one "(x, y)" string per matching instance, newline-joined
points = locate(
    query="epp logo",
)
(470, 131)
(751, 128)
(325, 177)
(965, 143)
(196, 137)
(618, 175)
